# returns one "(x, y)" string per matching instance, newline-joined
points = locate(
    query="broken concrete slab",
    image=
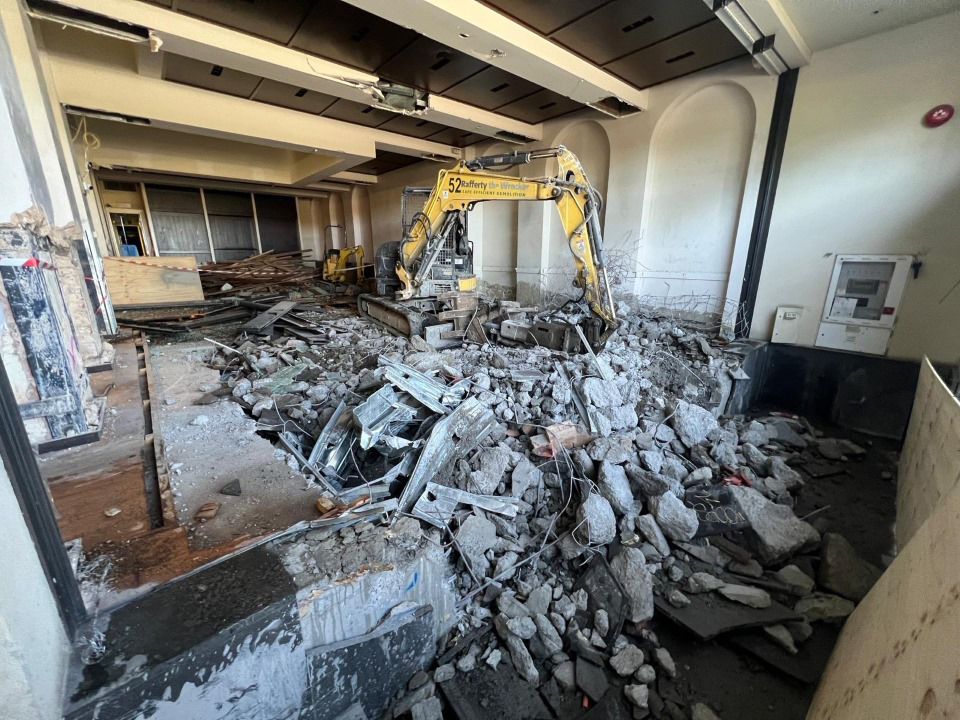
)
(501, 693)
(591, 679)
(614, 486)
(597, 525)
(630, 570)
(676, 520)
(843, 571)
(627, 660)
(776, 532)
(796, 578)
(823, 606)
(525, 475)
(709, 615)
(647, 526)
(701, 582)
(692, 423)
(746, 595)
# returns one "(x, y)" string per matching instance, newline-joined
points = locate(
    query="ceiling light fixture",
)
(745, 30)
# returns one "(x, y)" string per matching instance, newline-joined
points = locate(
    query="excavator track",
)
(392, 316)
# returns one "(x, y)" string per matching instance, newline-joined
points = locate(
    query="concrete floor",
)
(205, 455)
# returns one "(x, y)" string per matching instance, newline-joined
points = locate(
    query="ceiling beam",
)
(102, 89)
(218, 45)
(484, 33)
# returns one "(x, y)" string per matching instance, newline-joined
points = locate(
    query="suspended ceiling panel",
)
(197, 73)
(275, 20)
(625, 26)
(542, 105)
(456, 138)
(352, 112)
(430, 65)
(412, 125)
(492, 88)
(290, 96)
(546, 16)
(702, 47)
(351, 36)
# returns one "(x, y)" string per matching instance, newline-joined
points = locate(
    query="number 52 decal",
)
(454, 184)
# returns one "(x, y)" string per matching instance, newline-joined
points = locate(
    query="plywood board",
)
(152, 280)
(930, 462)
(897, 656)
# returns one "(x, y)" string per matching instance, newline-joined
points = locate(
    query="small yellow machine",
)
(434, 262)
(337, 265)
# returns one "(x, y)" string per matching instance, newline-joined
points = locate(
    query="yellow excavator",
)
(433, 263)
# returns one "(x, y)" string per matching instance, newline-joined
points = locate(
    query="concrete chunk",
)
(843, 571)
(777, 533)
(614, 486)
(630, 568)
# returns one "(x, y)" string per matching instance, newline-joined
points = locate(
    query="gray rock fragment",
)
(823, 606)
(476, 536)
(548, 634)
(692, 423)
(676, 598)
(782, 637)
(746, 595)
(777, 533)
(508, 604)
(627, 661)
(630, 568)
(645, 674)
(597, 525)
(676, 520)
(796, 578)
(565, 675)
(614, 486)
(843, 571)
(647, 526)
(701, 582)
(665, 661)
(601, 622)
(525, 475)
(601, 393)
(444, 673)
(754, 433)
(428, 709)
(538, 601)
(523, 627)
(638, 695)
(493, 465)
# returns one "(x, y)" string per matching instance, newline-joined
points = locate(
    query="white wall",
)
(33, 644)
(861, 174)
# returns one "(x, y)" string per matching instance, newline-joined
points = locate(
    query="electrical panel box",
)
(786, 326)
(862, 302)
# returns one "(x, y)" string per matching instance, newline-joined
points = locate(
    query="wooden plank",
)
(264, 320)
(106, 474)
(152, 280)
(930, 463)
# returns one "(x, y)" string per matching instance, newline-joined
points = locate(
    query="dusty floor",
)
(209, 446)
(860, 504)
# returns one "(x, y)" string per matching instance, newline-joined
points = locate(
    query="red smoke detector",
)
(938, 116)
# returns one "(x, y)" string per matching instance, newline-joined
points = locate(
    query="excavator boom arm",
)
(459, 189)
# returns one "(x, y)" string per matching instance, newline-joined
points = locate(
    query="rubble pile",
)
(577, 495)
